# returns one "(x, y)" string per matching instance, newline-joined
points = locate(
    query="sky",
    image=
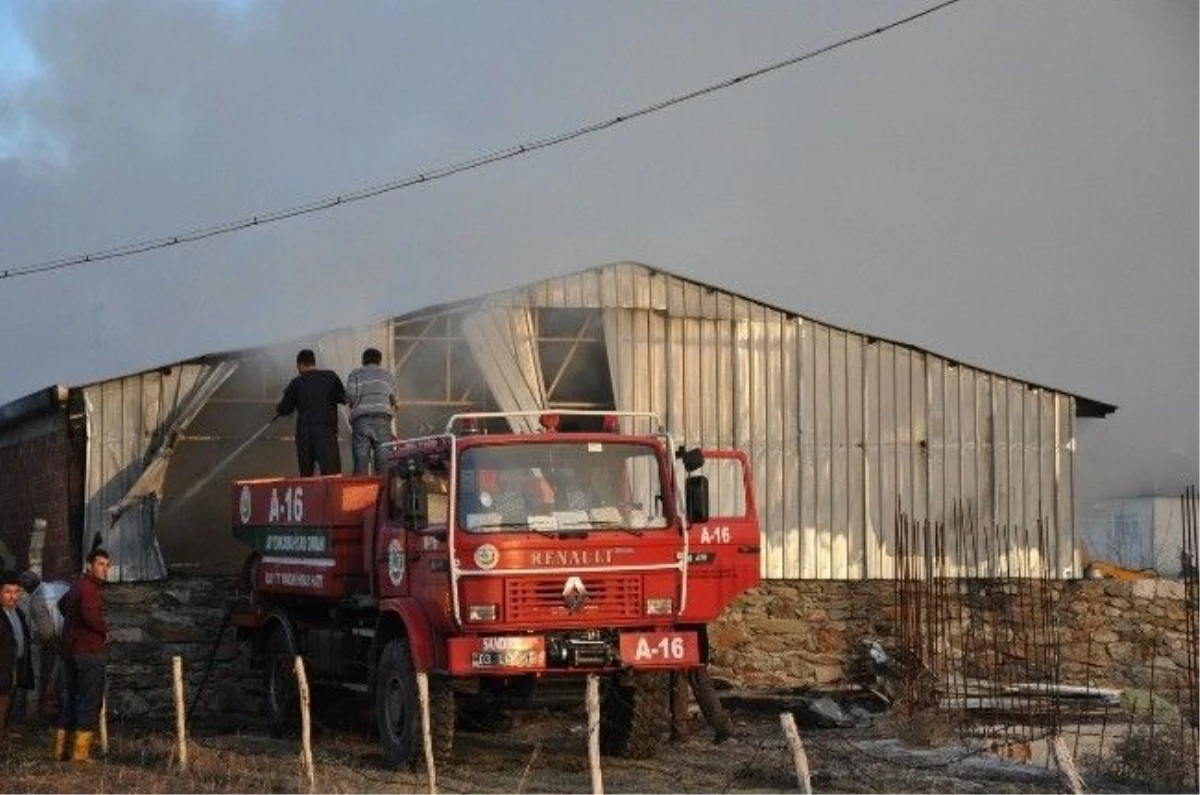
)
(1012, 185)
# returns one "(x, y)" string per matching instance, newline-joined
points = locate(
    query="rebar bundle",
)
(977, 625)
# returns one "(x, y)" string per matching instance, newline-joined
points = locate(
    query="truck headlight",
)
(660, 607)
(481, 613)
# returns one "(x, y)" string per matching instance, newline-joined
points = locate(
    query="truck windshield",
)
(552, 487)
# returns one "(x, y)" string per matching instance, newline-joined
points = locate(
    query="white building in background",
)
(1138, 533)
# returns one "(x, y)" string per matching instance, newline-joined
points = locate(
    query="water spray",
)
(219, 466)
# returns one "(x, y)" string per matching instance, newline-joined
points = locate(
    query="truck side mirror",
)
(415, 504)
(410, 501)
(695, 491)
(692, 459)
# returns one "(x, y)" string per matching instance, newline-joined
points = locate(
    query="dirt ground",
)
(544, 751)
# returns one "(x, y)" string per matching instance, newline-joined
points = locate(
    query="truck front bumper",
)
(569, 652)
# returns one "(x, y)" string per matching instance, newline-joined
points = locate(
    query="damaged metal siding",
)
(842, 428)
(129, 420)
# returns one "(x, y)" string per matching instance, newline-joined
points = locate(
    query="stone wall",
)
(1107, 632)
(782, 634)
(800, 632)
(152, 622)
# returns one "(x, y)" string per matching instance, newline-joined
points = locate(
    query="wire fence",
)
(989, 660)
(986, 657)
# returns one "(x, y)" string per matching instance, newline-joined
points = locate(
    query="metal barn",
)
(843, 428)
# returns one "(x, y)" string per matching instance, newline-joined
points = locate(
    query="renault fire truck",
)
(510, 549)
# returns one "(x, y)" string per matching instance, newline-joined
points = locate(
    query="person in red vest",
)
(85, 637)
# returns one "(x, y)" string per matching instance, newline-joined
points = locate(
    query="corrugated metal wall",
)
(841, 427)
(126, 418)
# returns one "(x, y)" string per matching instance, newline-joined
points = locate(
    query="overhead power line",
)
(261, 219)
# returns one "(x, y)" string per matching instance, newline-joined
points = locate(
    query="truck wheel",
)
(283, 698)
(398, 710)
(634, 715)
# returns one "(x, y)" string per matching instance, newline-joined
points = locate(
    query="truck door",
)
(425, 546)
(429, 559)
(723, 552)
(392, 544)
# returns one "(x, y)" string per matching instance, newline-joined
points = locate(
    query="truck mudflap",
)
(486, 655)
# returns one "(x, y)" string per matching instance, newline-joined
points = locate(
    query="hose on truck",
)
(212, 654)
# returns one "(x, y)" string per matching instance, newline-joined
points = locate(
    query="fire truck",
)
(511, 549)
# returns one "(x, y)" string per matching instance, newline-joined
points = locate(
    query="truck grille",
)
(541, 599)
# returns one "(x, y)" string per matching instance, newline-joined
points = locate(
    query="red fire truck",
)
(512, 548)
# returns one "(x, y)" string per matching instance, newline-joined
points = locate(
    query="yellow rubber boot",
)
(83, 747)
(58, 745)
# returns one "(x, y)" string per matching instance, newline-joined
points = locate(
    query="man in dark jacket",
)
(314, 395)
(706, 698)
(16, 647)
(85, 636)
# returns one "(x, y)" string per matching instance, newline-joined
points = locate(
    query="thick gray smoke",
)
(1010, 185)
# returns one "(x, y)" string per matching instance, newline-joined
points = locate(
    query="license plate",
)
(647, 649)
(509, 658)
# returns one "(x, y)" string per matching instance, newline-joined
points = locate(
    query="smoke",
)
(926, 186)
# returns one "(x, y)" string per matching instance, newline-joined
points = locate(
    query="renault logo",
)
(575, 594)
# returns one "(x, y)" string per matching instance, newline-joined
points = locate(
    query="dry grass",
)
(144, 761)
(544, 751)
(1150, 761)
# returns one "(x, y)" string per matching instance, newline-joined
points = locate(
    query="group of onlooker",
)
(59, 630)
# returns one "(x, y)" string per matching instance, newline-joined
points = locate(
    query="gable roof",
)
(44, 399)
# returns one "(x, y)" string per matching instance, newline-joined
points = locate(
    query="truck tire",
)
(398, 709)
(634, 715)
(283, 698)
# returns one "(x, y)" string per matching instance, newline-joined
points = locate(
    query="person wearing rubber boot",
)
(85, 636)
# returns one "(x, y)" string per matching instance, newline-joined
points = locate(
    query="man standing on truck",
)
(371, 392)
(85, 636)
(314, 395)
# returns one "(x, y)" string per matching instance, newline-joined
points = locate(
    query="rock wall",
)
(1106, 632)
(782, 634)
(152, 622)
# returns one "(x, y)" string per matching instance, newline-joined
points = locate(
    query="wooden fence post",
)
(426, 729)
(593, 710)
(104, 720)
(306, 757)
(180, 714)
(1066, 764)
(799, 758)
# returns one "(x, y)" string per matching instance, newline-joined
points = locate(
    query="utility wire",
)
(201, 233)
